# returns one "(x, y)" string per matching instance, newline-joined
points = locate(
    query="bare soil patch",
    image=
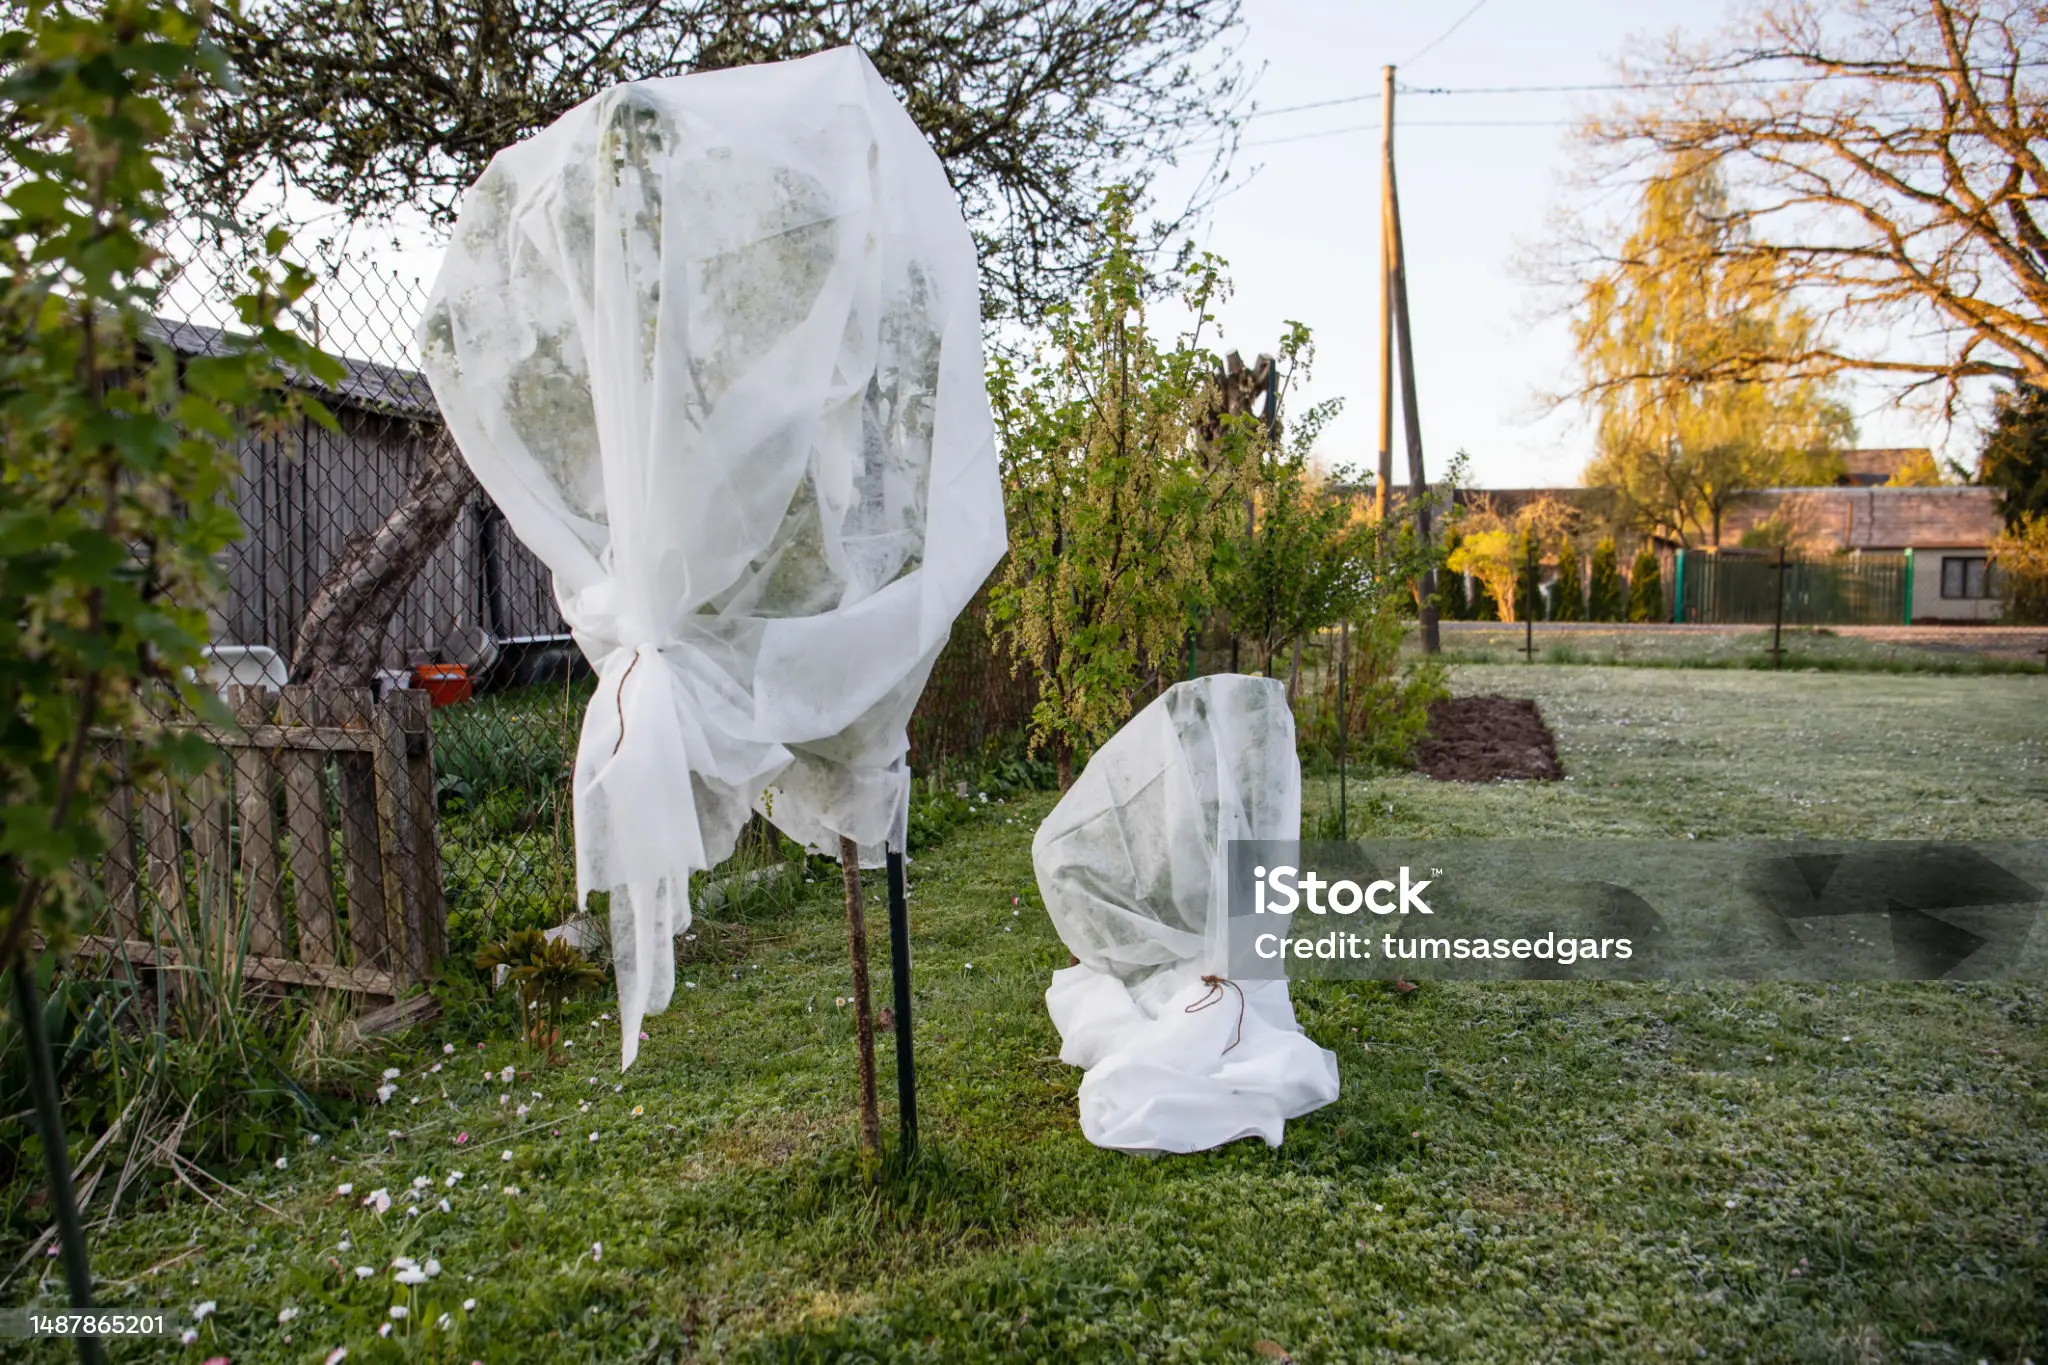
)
(1484, 739)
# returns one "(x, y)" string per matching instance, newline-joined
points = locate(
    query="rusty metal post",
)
(863, 1007)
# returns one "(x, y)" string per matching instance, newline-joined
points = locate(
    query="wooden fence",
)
(310, 856)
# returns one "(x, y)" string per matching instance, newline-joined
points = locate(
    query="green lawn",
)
(1917, 649)
(1514, 1173)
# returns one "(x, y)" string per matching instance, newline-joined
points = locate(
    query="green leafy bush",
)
(115, 453)
(521, 741)
(1386, 700)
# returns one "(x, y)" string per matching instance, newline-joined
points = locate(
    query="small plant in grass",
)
(544, 973)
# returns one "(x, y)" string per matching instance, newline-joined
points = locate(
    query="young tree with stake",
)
(1117, 515)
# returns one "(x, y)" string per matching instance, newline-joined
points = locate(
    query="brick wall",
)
(1873, 518)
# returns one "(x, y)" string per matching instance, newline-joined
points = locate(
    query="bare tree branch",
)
(1035, 106)
(1895, 186)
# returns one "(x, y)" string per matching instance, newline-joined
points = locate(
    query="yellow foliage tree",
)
(1491, 541)
(1680, 442)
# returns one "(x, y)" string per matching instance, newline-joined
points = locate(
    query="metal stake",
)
(863, 1009)
(1343, 662)
(1778, 621)
(56, 1155)
(1529, 610)
(899, 979)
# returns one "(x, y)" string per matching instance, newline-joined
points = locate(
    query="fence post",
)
(255, 785)
(1778, 616)
(304, 772)
(120, 869)
(416, 715)
(1528, 608)
(1678, 587)
(368, 915)
(404, 932)
(1906, 606)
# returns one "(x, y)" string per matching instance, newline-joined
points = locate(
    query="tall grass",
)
(171, 1072)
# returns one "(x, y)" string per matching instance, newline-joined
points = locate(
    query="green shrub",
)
(1452, 604)
(1387, 701)
(2020, 554)
(1571, 600)
(496, 887)
(1646, 588)
(521, 741)
(1604, 600)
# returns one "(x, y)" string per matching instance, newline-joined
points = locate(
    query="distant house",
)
(1941, 533)
(302, 496)
(1875, 467)
(1945, 531)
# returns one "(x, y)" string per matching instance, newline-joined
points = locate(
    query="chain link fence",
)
(473, 629)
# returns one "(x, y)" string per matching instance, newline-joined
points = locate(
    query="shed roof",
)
(364, 384)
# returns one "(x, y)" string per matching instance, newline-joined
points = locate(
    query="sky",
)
(1480, 175)
(1301, 235)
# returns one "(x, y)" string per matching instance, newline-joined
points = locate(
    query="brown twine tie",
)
(622, 702)
(1216, 996)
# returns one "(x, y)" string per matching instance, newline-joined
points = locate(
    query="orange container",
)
(445, 683)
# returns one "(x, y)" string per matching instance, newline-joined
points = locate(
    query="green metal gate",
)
(1741, 588)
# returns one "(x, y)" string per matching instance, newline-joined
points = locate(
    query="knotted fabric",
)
(1131, 867)
(713, 345)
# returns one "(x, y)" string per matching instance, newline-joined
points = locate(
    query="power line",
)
(1432, 43)
(1580, 88)
(1406, 124)
(1586, 88)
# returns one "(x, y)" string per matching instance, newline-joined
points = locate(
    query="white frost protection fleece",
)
(1130, 864)
(713, 344)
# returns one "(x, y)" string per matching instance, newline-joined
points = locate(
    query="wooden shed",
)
(303, 495)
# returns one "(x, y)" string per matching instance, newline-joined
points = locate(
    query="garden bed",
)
(1487, 739)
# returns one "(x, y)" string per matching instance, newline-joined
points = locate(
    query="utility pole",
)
(1383, 489)
(1397, 286)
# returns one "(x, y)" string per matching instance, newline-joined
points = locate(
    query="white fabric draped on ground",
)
(713, 344)
(1130, 864)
